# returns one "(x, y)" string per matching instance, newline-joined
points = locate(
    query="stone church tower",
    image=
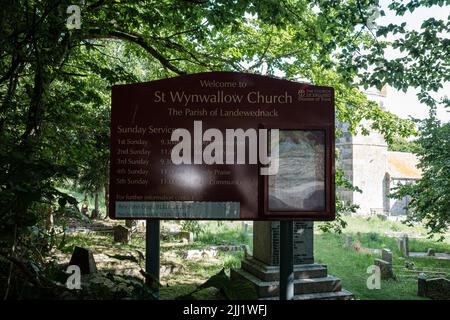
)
(364, 161)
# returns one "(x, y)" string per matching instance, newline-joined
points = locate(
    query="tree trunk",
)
(49, 219)
(107, 199)
(95, 212)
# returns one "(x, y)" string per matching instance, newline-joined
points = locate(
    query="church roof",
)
(403, 165)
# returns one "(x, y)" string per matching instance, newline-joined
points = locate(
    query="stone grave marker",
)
(406, 245)
(403, 245)
(349, 242)
(437, 288)
(267, 247)
(122, 234)
(385, 269)
(84, 259)
(186, 235)
(421, 285)
(386, 255)
(261, 269)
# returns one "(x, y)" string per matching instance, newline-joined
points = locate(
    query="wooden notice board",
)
(145, 182)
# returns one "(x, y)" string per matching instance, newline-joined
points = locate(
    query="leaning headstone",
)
(349, 242)
(84, 259)
(385, 269)
(430, 252)
(122, 234)
(386, 255)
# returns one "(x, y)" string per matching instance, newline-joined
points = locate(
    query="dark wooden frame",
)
(324, 215)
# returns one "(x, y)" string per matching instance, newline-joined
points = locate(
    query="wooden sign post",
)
(222, 146)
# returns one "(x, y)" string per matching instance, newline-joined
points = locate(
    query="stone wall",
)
(364, 161)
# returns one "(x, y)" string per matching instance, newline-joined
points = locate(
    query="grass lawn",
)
(347, 264)
(351, 266)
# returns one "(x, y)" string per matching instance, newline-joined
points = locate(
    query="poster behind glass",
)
(299, 184)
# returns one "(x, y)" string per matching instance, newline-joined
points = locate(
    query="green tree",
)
(402, 145)
(55, 83)
(430, 195)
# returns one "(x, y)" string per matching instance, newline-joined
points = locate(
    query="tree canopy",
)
(55, 82)
(430, 196)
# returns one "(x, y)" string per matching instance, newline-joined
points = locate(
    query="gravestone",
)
(422, 285)
(406, 245)
(122, 234)
(385, 264)
(403, 245)
(261, 270)
(386, 255)
(430, 252)
(385, 269)
(349, 242)
(186, 235)
(266, 242)
(84, 259)
(437, 288)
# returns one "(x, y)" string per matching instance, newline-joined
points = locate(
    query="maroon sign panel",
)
(222, 145)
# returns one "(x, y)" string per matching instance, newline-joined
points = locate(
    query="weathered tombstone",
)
(261, 269)
(122, 234)
(349, 242)
(403, 245)
(386, 255)
(406, 245)
(430, 252)
(84, 259)
(385, 269)
(266, 244)
(437, 289)
(400, 244)
(422, 285)
(186, 235)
